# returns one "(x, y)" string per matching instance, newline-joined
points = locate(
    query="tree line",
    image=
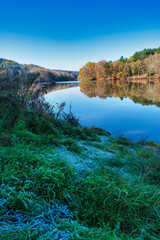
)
(142, 64)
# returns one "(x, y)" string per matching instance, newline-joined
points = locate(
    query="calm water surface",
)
(131, 108)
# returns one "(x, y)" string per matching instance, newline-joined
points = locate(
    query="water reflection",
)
(144, 92)
(61, 86)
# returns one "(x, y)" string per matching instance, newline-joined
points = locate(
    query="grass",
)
(42, 196)
(149, 143)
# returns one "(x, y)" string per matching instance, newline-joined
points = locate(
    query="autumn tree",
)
(153, 64)
(115, 69)
(101, 70)
(88, 72)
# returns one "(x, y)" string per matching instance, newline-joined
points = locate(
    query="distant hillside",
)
(74, 73)
(58, 71)
(14, 76)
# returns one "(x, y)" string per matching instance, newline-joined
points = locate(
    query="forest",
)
(142, 64)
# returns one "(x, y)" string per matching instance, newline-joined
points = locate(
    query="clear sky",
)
(65, 34)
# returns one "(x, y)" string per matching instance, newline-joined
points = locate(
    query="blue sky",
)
(66, 34)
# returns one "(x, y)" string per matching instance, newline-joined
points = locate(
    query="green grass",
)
(149, 143)
(72, 146)
(43, 197)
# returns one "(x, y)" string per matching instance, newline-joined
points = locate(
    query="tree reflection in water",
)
(143, 91)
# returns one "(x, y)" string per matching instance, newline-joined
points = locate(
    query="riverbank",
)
(63, 181)
(144, 76)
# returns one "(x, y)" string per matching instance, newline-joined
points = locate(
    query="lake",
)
(131, 108)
